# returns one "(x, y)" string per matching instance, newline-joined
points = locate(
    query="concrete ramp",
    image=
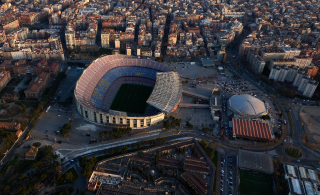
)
(182, 105)
(195, 95)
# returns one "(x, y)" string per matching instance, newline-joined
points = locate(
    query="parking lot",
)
(227, 174)
(55, 117)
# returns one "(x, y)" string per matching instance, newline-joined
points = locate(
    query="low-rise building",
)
(5, 77)
(10, 97)
(10, 126)
(37, 85)
(31, 154)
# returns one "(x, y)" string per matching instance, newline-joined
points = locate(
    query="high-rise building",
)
(70, 38)
(117, 41)
(258, 64)
(304, 82)
(106, 37)
(283, 73)
(293, 70)
(274, 74)
(310, 88)
(298, 78)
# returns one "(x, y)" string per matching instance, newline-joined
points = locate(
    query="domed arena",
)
(247, 105)
(122, 91)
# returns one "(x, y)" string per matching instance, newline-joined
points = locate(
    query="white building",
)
(283, 73)
(70, 38)
(298, 78)
(304, 82)
(310, 88)
(274, 74)
(293, 70)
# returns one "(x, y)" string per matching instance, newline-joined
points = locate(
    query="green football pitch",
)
(254, 183)
(131, 98)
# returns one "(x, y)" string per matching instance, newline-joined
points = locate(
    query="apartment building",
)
(258, 64)
(310, 88)
(107, 35)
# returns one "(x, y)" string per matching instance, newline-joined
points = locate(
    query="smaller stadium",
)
(247, 105)
(124, 91)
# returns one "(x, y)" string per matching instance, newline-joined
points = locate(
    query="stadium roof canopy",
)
(255, 161)
(92, 76)
(245, 104)
(166, 93)
(251, 129)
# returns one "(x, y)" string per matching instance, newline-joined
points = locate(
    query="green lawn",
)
(131, 98)
(293, 152)
(254, 183)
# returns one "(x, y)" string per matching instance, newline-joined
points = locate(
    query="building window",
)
(114, 120)
(95, 116)
(107, 119)
(101, 120)
(86, 113)
(141, 122)
(128, 122)
(121, 121)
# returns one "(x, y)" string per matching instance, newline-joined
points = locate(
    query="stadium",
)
(247, 105)
(121, 91)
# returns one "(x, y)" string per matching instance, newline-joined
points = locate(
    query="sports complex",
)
(121, 91)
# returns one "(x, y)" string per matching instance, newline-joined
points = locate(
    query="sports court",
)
(131, 98)
(255, 183)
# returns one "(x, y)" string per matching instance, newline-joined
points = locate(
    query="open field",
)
(310, 118)
(254, 183)
(131, 98)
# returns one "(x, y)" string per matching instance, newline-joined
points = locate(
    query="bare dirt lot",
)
(310, 118)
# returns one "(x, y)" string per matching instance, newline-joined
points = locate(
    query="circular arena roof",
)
(100, 78)
(245, 104)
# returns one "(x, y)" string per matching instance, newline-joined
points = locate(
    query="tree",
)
(166, 124)
(36, 144)
(157, 158)
(211, 154)
(111, 152)
(82, 192)
(125, 149)
(119, 151)
(69, 176)
(189, 125)
(101, 135)
(106, 152)
(139, 146)
(203, 143)
(266, 117)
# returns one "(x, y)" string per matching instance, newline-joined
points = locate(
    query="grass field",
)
(131, 98)
(253, 183)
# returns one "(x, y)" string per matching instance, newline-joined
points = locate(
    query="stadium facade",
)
(100, 82)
